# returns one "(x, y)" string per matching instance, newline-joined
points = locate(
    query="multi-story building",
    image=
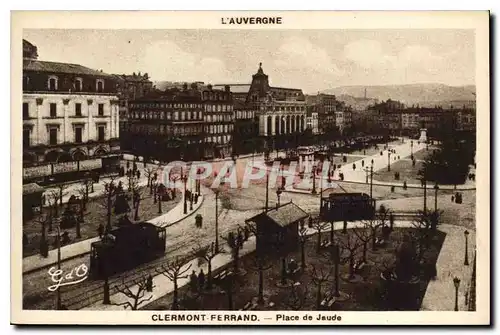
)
(130, 87)
(218, 121)
(312, 120)
(239, 91)
(281, 112)
(70, 120)
(325, 105)
(246, 129)
(168, 125)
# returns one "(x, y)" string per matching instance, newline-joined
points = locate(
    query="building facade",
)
(218, 122)
(70, 121)
(246, 129)
(281, 111)
(130, 87)
(168, 125)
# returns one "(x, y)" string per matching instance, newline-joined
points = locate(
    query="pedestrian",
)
(354, 166)
(138, 174)
(362, 163)
(128, 165)
(201, 279)
(193, 281)
(149, 283)
(100, 230)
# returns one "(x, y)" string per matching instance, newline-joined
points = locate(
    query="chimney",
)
(227, 88)
(209, 87)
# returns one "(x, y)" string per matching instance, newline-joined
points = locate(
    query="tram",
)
(125, 248)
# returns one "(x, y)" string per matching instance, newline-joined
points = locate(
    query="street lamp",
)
(436, 188)
(190, 194)
(216, 221)
(456, 282)
(411, 148)
(389, 161)
(466, 234)
(184, 179)
(314, 179)
(278, 194)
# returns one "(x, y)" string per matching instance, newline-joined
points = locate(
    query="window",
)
(78, 134)
(53, 110)
(100, 133)
(100, 85)
(100, 110)
(176, 115)
(26, 138)
(78, 109)
(78, 84)
(52, 136)
(52, 83)
(26, 110)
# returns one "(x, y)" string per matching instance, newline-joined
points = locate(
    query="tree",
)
(148, 172)
(297, 297)
(52, 199)
(43, 219)
(261, 263)
(319, 276)
(303, 237)
(235, 243)
(207, 253)
(137, 296)
(136, 197)
(60, 191)
(319, 227)
(364, 235)
(174, 271)
(351, 244)
(109, 194)
(423, 225)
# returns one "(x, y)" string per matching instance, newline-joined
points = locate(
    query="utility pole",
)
(425, 195)
(371, 181)
(217, 221)
(267, 191)
(59, 305)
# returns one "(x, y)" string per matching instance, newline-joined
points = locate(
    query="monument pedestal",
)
(423, 135)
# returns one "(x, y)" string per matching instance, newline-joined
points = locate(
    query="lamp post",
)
(314, 179)
(411, 148)
(190, 194)
(216, 221)
(278, 194)
(59, 305)
(389, 161)
(436, 188)
(184, 179)
(456, 282)
(466, 234)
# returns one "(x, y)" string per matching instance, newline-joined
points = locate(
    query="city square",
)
(192, 195)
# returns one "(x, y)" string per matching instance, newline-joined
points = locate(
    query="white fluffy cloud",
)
(165, 60)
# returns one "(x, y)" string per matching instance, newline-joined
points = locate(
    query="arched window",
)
(78, 84)
(99, 85)
(52, 83)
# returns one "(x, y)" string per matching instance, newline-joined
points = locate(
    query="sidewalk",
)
(73, 250)
(440, 294)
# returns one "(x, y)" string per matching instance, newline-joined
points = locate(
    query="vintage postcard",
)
(250, 168)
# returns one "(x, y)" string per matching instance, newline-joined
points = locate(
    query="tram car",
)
(347, 206)
(125, 248)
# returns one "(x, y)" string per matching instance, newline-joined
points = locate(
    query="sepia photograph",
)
(251, 168)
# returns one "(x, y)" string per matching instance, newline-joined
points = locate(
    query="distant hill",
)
(423, 94)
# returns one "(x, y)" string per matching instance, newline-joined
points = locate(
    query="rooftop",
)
(283, 215)
(55, 67)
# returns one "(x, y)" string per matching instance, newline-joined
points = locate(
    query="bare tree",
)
(207, 253)
(319, 227)
(423, 225)
(235, 242)
(52, 199)
(43, 220)
(351, 244)
(261, 263)
(372, 225)
(303, 237)
(320, 276)
(174, 271)
(297, 297)
(137, 296)
(137, 196)
(61, 193)
(109, 193)
(365, 236)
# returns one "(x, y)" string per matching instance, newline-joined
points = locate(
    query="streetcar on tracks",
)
(347, 206)
(126, 247)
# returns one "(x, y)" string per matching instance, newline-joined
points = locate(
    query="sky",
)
(312, 60)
